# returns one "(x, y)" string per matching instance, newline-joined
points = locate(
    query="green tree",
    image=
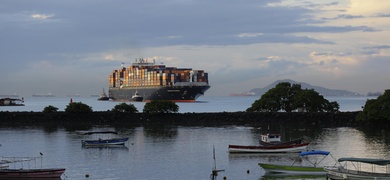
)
(288, 98)
(123, 107)
(376, 110)
(309, 100)
(78, 107)
(49, 109)
(161, 106)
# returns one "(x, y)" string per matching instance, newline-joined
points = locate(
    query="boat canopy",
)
(315, 152)
(381, 162)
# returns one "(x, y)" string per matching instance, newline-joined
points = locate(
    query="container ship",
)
(154, 81)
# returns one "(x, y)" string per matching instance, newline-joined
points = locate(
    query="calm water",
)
(203, 104)
(180, 152)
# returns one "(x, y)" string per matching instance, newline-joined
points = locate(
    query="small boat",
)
(103, 141)
(313, 169)
(103, 96)
(136, 97)
(11, 102)
(26, 172)
(358, 172)
(268, 149)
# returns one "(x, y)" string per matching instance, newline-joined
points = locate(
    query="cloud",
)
(42, 16)
(233, 40)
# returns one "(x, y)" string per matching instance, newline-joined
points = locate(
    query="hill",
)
(323, 91)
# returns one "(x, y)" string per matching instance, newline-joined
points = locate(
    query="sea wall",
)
(255, 119)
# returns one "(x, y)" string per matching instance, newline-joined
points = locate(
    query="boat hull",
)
(340, 173)
(104, 142)
(137, 98)
(31, 173)
(268, 149)
(293, 170)
(103, 99)
(172, 93)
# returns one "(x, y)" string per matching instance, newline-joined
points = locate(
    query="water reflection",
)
(161, 131)
(107, 147)
(171, 152)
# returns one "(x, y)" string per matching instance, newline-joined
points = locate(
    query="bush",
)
(78, 107)
(123, 107)
(50, 109)
(161, 106)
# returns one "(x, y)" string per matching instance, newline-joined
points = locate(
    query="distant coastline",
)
(43, 95)
(9, 95)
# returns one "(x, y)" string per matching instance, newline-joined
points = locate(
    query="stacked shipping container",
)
(145, 74)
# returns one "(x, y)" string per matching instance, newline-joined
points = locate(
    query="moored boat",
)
(356, 170)
(268, 149)
(103, 141)
(31, 173)
(295, 169)
(27, 172)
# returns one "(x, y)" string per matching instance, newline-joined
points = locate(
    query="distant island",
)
(323, 91)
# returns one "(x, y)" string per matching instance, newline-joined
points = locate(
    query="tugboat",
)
(136, 97)
(103, 96)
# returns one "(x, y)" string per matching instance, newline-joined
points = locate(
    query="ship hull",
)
(171, 93)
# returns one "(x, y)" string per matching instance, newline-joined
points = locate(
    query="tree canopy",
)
(288, 98)
(78, 107)
(376, 110)
(161, 106)
(123, 107)
(50, 109)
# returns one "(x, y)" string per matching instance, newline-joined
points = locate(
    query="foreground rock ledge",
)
(340, 119)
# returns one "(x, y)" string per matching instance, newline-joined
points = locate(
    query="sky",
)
(71, 47)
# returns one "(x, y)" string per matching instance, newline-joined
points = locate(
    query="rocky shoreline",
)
(254, 119)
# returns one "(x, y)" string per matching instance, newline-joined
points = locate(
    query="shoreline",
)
(255, 119)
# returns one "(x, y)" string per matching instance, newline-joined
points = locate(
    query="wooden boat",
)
(357, 172)
(313, 169)
(103, 141)
(26, 172)
(268, 149)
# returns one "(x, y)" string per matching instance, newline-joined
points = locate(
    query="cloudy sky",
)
(71, 47)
